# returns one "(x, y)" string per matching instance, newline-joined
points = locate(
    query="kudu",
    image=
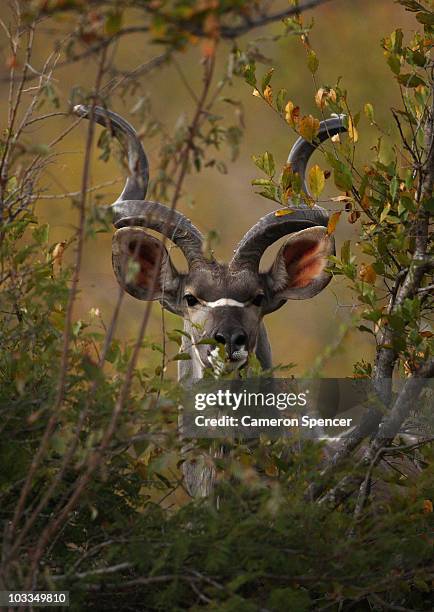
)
(223, 302)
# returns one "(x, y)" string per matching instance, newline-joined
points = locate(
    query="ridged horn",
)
(271, 227)
(130, 209)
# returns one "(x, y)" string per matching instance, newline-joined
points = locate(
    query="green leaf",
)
(369, 112)
(249, 74)
(394, 186)
(267, 78)
(410, 80)
(261, 182)
(394, 63)
(411, 5)
(385, 212)
(425, 18)
(113, 22)
(182, 357)
(416, 58)
(396, 39)
(342, 176)
(281, 100)
(269, 193)
(40, 233)
(265, 163)
(312, 61)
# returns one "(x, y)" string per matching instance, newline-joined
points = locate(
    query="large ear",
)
(135, 255)
(298, 271)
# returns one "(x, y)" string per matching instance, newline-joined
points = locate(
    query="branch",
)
(392, 423)
(234, 31)
(61, 388)
(95, 458)
(387, 430)
(226, 32)
(365, 487)
(387, 355)
(101, 571)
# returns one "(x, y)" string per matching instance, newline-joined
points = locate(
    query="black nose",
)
(233, 340)
(238, 340)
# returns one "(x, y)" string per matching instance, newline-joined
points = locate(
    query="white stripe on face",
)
(224, 302)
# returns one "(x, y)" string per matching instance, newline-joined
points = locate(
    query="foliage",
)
(384, 198)
(91, 495)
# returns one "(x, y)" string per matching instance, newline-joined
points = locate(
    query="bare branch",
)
(235, 31)
(387, 430)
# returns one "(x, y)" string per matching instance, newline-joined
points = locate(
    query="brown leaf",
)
(353, 216)
(427, 506)
(426, 334)
(365, 203)
(367, 274)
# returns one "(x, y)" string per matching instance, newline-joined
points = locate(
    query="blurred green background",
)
(347, 39)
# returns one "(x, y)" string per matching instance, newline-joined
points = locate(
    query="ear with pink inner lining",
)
(298, 271)
(143, 267)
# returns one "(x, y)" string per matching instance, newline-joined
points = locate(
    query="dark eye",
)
(190, 299)
(257, 301)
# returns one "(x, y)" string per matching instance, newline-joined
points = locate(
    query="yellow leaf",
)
(342, 198)
(323, 96)
(385, 212)
(283, 211)
(333, 221)
(308, 127)
(427, 506)
(57, 254)
(367, 274)
(352, 131)
(316, 181)
(256, 93)
(292, 113)
(268, 94)
(320, 98)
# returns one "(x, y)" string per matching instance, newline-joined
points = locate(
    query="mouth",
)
(235, 361)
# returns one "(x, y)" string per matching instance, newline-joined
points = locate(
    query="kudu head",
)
(223, 302)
